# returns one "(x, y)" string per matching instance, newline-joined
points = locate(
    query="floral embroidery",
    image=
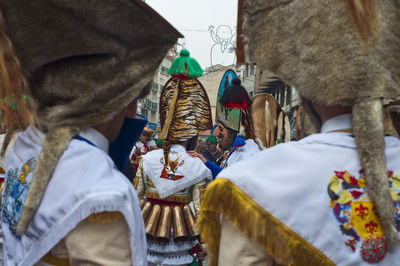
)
(15, 192)
(353, 209)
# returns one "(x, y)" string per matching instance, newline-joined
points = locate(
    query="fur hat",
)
(316, 47)
(85, 61)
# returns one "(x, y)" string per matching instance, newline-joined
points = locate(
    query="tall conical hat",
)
(184, 105)
(85, 60)
(230, 118)
(332, 59)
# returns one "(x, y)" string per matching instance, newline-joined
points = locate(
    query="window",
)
(164, 70)
(155, 86)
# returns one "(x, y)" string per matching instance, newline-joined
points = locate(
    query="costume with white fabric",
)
(333, 197)
(169, 179)
(241, 153)
(97, 194)
(235, 99)
(324, 172)
(63, 195)
(152, 182)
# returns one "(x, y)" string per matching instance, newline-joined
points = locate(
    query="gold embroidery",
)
(105, 217)
(172, 198)
(149, 182)
(282, 243)
(135, 182)
(202, 189)
(1, 190)
(53, 260)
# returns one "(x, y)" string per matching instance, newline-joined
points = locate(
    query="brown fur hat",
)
(85, 61)
(314, 46)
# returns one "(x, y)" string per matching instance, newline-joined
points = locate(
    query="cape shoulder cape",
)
(85, 182)
(192, 170)
(289, 193)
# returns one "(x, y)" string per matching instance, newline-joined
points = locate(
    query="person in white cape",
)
(169, 180)
(64, 201)
(331, 198)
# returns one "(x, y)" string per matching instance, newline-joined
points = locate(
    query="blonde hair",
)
(364, 16)
(14, 97)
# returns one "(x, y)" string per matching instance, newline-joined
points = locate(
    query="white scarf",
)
(192, 169)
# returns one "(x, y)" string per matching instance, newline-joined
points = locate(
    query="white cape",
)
(192, 169)
(85, 181)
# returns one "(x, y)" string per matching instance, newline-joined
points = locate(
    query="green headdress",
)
(185, 66)
(211, 139)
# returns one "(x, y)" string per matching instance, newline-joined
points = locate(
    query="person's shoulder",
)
(152, 154)
(89, 162)
(262, 162)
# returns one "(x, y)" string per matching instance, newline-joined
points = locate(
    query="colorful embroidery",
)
(354, 210)
(15, 192)
(171, 167)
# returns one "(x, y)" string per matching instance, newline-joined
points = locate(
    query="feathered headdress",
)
(235, 96)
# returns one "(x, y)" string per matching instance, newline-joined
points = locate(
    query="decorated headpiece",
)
(83, 70)
(148, 131)
(235, 96)
(233, 105)
(185, 67)
(184, 106)
(352, 62)
(229, 117)
(211, 139)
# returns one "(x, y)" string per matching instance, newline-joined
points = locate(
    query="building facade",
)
(148, 106)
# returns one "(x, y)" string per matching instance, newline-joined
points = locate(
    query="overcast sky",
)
(193, 18)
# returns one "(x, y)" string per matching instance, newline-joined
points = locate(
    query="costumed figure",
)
(235, 128)
(169, 179)
(141, 147)
(211, 152)
(64, 201)
(333, 197)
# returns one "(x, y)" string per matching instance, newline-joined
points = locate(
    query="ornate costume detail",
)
(357, 214)
(373, 249)
(15, 192)
(184, 199)
(285, 245)
(171, 167)
(105, 217)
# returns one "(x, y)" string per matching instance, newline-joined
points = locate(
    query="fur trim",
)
(330, 66)
(310, 120)
(369, 134)
(87, 76)
(54, 146)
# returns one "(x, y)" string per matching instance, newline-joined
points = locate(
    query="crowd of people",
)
(86, 182)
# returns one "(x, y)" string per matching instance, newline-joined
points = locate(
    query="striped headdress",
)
(185, 109)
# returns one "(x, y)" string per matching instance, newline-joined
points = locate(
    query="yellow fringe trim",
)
(105, 217)
(53, 260)
(172, 198)
(1, 190)
(223, 197)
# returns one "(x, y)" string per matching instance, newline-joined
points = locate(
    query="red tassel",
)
(238, 105)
